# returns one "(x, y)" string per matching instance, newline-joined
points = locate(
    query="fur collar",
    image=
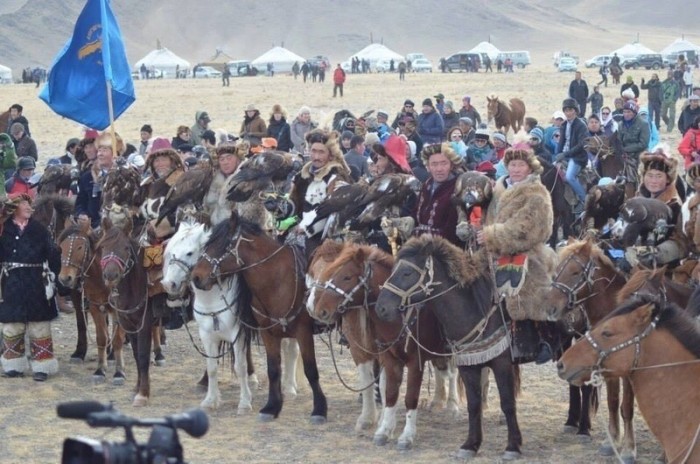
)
(324, 171)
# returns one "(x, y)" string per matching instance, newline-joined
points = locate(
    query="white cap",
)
(559, 114)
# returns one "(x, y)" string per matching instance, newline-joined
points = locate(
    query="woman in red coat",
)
(690, 145)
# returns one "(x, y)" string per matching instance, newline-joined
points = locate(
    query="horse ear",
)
(598, 194)
(587, 244)
(128, 225)
(106, 223)
(68, 222)
(644, 314)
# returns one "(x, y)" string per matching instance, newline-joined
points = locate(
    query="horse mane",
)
(75, 229)
(224, 231)
(464, 270)
(328, 250)
(62, 204)
(596, 252)
(637, 281)
(671, 317)
(351, 251)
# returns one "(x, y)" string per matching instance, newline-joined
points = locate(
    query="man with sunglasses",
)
(407, 110)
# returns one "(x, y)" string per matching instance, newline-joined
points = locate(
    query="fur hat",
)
(628, 94)
(240, 150)
(570, 103)
(520, 152)
(659, 158)
(692, 174)
(428, 102)
(167, 152)
(331, 140)
(276, 108)
(445, 148)
(482, 134)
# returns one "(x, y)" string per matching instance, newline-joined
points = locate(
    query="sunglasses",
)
(456, 136)
(606, 113)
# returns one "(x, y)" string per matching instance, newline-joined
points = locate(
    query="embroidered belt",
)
(9, 266)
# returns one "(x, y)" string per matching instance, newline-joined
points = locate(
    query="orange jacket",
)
(690, 146)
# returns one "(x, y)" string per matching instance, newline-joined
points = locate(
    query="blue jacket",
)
(431, 127)
(89, 201)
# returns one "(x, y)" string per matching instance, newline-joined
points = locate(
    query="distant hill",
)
(32, 32)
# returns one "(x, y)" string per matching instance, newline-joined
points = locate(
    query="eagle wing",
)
(387, 191)
(191, 187)
(256, 173)
(122, 186)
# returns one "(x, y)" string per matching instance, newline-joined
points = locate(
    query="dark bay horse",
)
(657, 347)
(346, 293)
(654, 282)
(125, 277)
(584, 288)
(506, 116)
(609, 161)
(458, 289)
(81, 272)
(272, 273)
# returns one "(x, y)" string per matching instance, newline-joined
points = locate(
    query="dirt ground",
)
(31, 432)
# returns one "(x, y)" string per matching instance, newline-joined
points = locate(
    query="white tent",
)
(163, 60)
(377, 52)
(632, 50)
(488, 48)
(281, 58)
(5, 75)
(679, 45)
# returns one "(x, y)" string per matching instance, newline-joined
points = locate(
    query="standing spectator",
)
(8, 160)
(19, 183)
(182, 137)
(300, 127)
(440, 103)
(689, 147)
(201, 124)
(305, 71)
(338, 80)
(430, 125)
(633, 133)
(467, 110)
(480, 150)
(500, 144)
(670, 93)
(407, 128)
(596, 100)
(617, 112)
(551, 134)
(653, 88)
(27, 306)
(653, 131)
(279, 129)
(629, 84)
(71, 149)
(455, 138)
(578, 90)
(467, 126)
(24, 145)
(450, 118)
(226, 77)
(356, 159)
(402, 71)
(407, 110)
(253, 127)
(604, 71)
(17, 116)
(689, 114)
(688, 80)
(322, 72)
(345, 139)
(271, 69)
(607, 123)
(295, 69)
(487, 64)
(146, 142)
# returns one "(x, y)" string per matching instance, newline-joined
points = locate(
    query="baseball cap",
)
(558, 115)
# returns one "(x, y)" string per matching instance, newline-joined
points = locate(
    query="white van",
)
(415, 56)
(520, 59)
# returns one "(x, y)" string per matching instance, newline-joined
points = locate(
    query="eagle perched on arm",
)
(390, 190)
(257, 173)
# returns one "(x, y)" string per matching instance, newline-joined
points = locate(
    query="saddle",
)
(153, 263)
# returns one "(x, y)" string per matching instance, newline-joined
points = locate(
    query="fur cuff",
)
(49, 366)
(17, 364)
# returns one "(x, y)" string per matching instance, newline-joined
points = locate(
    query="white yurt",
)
(679, 45)
(488, 48)
(632, 50)
(163, 60)
(281, 58)
(5, 75)
(377, 52)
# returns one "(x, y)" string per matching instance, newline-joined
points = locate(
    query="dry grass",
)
(30, 431)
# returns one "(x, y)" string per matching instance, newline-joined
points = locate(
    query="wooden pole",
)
(110, 107)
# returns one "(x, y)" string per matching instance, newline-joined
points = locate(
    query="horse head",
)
(181, 254)
(323, 256)
(492, 104)
(574, 278)
(77, 247)
(119, 254)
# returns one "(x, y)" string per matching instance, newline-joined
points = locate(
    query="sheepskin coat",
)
(519, 220)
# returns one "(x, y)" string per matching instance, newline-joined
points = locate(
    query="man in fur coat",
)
(27, 303)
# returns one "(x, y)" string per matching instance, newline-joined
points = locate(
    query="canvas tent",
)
(218, 61)
(281, 58)
(679, 45)
(488, 48)
(376, 52)
(163, 60)
(5, 75)
(632, 50)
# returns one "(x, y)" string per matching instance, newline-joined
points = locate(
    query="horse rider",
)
(228, 158)
(572, 137)
(633, 133)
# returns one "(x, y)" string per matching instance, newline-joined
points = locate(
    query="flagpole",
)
(110, 108)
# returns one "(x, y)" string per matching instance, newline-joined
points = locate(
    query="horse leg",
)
(574, 415)
(252, 377)
(274, 365)
(628, 450)
(471, 376)
(158, 357)
(143, 360)
(78, 355)
(393, 373)
(485, 388)
(414, 379)
(211, 347)
(290, 355)
(439, 400)
(452, 389)
(504, 371)
(101, 337)
(305, 338)
(241, 346)
(584, 427)
(368, 417)
(118, 350)
(612, 387)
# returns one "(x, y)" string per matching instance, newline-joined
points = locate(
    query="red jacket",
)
(689, 146)
(338, 76)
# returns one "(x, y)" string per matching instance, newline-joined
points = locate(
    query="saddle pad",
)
(153, 256)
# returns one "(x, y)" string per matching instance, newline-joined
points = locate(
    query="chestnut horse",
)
(657, 347)
(504, 115)
(458, 289)
(653, 282)
(587, 280)
(272, 273)
(81, 272)
(125, 278)
(346, 294)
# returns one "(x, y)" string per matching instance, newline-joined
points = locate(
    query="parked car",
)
(385, 65)
(567, 64)
(206, 72)
(458, 61)
(238, 67)
(422, 65)
(649, 61)
(671, 60)
(317, 60)
(520, 59)
(415, 56)
(597, 61)
(563, 54)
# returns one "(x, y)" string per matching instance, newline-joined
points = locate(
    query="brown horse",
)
(586, 280)
(653, 282)
(506, 116)
(609, 160)
(346, 294)
(657, 347)
(4, 121)
(272, 273)
(616, 71)
(125, 278)
(81, 272)
(458, 289)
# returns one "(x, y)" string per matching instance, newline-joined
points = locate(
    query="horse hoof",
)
(362, 426)
(466, 454)
(606, 449)
(318, 420)
(569, 429)
(629, 459)
(118, 381)
(511, 455)
(404, 445)
(76, 360)
(209, 405)
(140, 401)
(289, 394)
(583, 438)
(98, 379)
(243, 410)
(265, 417)
(159, 362)
(381, 440)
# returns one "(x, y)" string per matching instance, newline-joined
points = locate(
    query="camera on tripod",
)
(163, 445)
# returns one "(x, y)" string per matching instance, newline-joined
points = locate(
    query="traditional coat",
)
(435, 214)
(24, 288)
(519, 221)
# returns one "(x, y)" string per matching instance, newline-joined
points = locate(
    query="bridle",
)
(348, 297)
(419, 287)
(585, 281)
(68, 260)
(124, 266)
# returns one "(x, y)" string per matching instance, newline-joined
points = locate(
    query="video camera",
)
(163, 445)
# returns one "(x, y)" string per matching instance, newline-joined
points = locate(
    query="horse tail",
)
(245, 311)
(462, 390)
(516, 379)
(299, 371)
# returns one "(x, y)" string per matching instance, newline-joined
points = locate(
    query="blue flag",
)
(95, 55)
